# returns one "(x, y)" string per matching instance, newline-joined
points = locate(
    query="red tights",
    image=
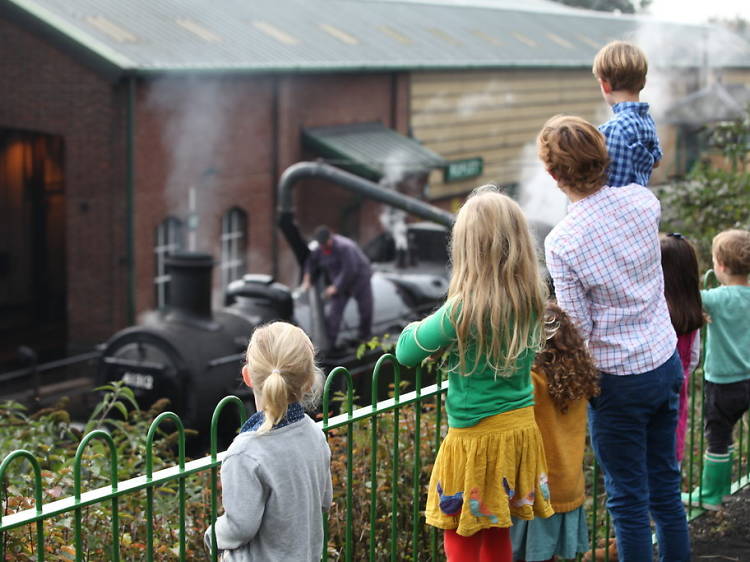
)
(487, 545)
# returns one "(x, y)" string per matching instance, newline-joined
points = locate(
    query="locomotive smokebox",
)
(189, 298)
(185, 352)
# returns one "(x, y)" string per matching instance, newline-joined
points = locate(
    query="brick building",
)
(129, 129)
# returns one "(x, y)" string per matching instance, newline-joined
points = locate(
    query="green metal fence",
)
(381, 460)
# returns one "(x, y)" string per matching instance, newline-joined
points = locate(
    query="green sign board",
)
(463, 169)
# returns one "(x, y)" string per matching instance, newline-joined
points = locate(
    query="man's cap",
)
(322, 234)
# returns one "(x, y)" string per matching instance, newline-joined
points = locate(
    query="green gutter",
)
(129, 197)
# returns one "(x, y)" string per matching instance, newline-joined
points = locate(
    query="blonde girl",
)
(491, 464)
(276, 474)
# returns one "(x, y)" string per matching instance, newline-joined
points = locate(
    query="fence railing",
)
(381, 459)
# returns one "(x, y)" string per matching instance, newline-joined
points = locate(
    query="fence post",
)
(98, 433)
(214, 469)
(37, 497)
(150, 490)
(349, 537)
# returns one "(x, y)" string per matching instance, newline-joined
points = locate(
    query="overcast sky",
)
(698, 11)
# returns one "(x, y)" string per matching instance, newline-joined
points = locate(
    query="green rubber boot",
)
(727, 491)
(717, 475)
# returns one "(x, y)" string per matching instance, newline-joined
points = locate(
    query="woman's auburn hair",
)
(681, 283)
(565, 361)
(281, 362)
(574, 153)
(496, 291)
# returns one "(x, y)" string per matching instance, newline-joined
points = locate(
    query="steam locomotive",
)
(192, 354)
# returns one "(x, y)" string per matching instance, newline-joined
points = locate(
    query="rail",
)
(381, 457)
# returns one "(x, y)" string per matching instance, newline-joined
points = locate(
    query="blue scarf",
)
(294, 413)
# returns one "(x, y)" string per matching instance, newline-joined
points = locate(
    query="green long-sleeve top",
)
(482, 393)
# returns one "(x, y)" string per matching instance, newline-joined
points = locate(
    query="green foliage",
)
(624, 6)
(405, 422)
(715, 196)
(385, 343)
(51, 437)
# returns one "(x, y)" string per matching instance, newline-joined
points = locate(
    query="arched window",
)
(168, 240)
(233, 243)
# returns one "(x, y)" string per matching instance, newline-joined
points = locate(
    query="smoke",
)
(196, 116)
(539, 196)
(393, 220)
(682, 59)
(468, 104)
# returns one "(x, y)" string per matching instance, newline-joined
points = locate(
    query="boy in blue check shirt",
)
(634, 151)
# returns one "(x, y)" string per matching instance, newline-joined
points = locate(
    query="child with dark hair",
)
(727, 365)
(682, 291)
(564, 379)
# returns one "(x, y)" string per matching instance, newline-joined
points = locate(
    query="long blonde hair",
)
(496, 291)
(281, 364)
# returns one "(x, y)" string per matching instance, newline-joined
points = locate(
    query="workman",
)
(349, 273)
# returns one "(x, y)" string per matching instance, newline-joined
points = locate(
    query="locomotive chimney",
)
(189, 296)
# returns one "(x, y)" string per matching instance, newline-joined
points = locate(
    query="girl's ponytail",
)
(275, 400)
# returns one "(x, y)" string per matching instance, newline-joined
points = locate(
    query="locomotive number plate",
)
(138, 380)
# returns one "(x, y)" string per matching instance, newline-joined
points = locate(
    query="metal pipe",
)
(356, 184)
(129, 198)
(350, 182)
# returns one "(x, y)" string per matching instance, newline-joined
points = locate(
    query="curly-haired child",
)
(564, 378)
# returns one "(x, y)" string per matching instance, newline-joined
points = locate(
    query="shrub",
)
(716, 194)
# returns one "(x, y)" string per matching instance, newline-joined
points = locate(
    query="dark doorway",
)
(33, 294)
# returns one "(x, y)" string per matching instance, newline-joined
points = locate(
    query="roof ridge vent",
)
(116, 32)
(275, 32)
(194, 27)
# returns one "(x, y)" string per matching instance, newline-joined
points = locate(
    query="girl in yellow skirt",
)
(491, 465)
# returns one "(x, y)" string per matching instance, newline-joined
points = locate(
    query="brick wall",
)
(230, 137)
(44, 90)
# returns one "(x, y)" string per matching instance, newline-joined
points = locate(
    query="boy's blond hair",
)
(574, 152)
(496, 290)
(731, 249)
(623, 65)
(281, 364)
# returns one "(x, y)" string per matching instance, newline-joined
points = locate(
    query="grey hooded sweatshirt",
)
(274, 488)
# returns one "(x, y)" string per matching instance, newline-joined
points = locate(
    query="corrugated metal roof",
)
(717, 102)
(371, 150)
(306, 35)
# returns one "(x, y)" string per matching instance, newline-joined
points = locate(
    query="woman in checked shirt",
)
(605, 261)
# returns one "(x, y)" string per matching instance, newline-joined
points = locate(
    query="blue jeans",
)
(633, 423)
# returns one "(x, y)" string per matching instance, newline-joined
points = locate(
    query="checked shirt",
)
(605, 260)
(632, 144)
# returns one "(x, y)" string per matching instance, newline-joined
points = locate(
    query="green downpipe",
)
(130, 198)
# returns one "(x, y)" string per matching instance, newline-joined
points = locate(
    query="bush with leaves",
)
(51, 437)
(403, 465)
(716, 194)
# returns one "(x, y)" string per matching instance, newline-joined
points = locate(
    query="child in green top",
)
(491, 465)
(727, 364)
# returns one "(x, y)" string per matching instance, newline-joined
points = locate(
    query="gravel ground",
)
(723, 535)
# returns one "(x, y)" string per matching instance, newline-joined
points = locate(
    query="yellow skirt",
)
(488, 473)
